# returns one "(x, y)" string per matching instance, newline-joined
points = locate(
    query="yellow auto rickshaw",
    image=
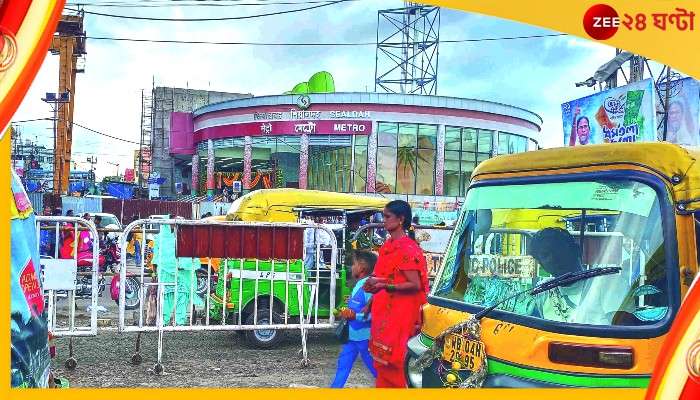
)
(566, 269)
(295, 205)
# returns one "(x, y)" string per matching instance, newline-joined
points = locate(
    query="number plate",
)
(469, 353)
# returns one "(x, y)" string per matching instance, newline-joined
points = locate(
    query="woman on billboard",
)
(680, 127)
(580, 129)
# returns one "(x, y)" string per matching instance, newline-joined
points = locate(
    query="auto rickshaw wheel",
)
(264, 338)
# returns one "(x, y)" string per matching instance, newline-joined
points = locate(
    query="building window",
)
(509, 143)
(330, 163)
(406, 157)
(386, 170)
(465, 148)
(359, 178)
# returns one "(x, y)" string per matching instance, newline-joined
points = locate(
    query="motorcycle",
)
(110, 251)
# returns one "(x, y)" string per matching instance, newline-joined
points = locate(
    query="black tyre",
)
(264, 338)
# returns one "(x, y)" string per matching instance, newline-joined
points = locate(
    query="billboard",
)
(683, 112)
(623, 114)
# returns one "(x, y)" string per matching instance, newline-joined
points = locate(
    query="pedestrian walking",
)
(400, 288)
(358, 320)
(172, 269)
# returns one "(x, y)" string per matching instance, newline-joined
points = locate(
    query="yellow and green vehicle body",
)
(274, 282)
(651, 190)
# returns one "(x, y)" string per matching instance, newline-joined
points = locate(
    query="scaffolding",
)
(163, 164)
(407, 49)
(145, 154)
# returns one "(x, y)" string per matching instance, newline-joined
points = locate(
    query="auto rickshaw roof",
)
(281, 205)
(666, 159)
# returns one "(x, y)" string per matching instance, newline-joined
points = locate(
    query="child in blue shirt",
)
(358, 320)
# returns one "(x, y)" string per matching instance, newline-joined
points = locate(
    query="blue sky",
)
(536, 74)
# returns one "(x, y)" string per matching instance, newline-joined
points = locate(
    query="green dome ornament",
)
(320, 82)
(301, 88)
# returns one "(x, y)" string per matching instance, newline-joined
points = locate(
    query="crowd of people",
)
(384, 308)
(69, 240)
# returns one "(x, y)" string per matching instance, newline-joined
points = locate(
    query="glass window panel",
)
(522, 144)
(360, 167)
(425, 171)
(326, 170)
(453, 137)
(386, 170)
(469, 139)
(387, 133)
(333, 170)
(503, 139)
(452, 173)
(407, 135)
(406, 170)
(361, 140)
(312, 172)
(485, 141)
(468, 164)
(347, 171)
(427, 136)
(632, 239)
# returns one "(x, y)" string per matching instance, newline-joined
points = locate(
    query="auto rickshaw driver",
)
(556, 250)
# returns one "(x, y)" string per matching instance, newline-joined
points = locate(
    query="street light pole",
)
(56, 101)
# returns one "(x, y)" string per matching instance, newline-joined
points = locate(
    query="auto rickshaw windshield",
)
(512, 237)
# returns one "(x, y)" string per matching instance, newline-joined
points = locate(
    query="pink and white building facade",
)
(405, 146)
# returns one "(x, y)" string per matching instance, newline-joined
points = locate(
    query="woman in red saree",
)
(68, 245)
(400, 287)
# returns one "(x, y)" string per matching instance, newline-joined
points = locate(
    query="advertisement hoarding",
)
(683, 112)
(623, 114)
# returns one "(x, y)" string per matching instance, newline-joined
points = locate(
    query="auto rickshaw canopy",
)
(281, 205)
(677, 165)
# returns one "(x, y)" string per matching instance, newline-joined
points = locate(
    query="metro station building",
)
(416, 147)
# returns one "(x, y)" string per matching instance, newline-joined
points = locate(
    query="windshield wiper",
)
(573, 277)
(563, 280)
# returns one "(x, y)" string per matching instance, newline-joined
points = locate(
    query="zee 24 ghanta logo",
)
(601, 21)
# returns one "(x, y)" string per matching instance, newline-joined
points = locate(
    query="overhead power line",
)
(312, 44)
(134, 17)
(81, 126)
(195, 3)
(104, 134)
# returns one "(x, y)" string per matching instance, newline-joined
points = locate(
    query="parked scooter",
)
(110, 250)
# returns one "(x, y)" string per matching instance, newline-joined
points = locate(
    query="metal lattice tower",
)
(407, 49)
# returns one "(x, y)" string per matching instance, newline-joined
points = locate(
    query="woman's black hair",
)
(401, 208)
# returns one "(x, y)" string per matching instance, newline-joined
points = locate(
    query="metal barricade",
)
(256, 278)
(70, 270)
